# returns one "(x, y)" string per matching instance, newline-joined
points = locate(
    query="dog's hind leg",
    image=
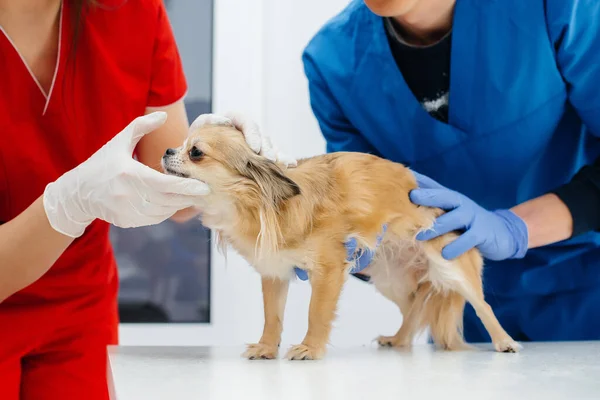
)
(463, 275)
(502, 341)
(412, 313)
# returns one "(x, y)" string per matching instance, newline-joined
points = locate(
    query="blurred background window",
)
(165, 269)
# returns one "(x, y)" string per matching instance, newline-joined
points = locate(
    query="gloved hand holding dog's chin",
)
(114, 187)
(498, 235)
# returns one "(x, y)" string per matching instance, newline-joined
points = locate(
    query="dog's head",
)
(219, 156)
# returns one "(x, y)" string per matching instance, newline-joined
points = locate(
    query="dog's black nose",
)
(170, 152)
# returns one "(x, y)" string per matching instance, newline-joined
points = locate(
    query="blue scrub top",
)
(524, 114)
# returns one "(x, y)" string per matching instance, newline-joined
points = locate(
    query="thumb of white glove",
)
(114, 187)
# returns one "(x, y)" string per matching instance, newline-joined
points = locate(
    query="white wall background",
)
(258, 70)
(193, 39)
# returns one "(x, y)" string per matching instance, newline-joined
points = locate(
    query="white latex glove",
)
(257, 141)
(114, 187)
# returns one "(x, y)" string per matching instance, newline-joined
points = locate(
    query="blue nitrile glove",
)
(498, 235)
(362, 258)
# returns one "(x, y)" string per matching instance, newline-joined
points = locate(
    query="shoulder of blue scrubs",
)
(344, 29)
(574, 28)
(329, 61)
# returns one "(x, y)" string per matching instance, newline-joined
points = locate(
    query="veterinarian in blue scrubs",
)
(496, 105)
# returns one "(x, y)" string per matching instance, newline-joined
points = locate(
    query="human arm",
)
(171, 134)
(547, 218)
(570, 209)
(573, 27)
(167, 89)
(28, 248)
(505, 234)
(111, 186)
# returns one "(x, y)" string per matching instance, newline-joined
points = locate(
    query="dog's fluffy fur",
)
(277, 219)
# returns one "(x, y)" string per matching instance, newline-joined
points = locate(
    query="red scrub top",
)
(127, 60)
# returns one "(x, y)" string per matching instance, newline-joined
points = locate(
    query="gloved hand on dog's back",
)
(498, 235)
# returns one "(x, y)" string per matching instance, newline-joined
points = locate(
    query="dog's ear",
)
(271, 180)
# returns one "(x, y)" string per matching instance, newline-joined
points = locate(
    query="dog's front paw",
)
(507, 346)
(261, 351)
(391, 341)
(304, 352)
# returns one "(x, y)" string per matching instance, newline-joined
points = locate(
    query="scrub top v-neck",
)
(47, 94)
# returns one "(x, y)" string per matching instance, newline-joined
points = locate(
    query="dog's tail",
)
(444, 315)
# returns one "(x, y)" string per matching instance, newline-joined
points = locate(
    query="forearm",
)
(29, 246)
(171, 135)
(569, 210)
(547, 218)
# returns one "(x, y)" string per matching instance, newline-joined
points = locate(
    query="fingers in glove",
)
(464, 243)
(426, 182)
(150, 211)
(259, 143)
(142, 212)
(184, 186)
(162, 199)
(163, 183)
(179, 186)
(286, 160)
(173, 201)
(363, 260)
(452, 221)
(250, 130)
(282, 158)
(267, 150)
(210, 119)
(301, 274)
(439, 198)
(142, 126)
(350, 245)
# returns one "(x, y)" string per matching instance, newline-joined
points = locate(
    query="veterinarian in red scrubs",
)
(72, 78)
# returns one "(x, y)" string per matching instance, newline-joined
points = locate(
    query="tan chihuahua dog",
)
(277, 219)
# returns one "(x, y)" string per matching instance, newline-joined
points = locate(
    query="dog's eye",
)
(195, 154)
